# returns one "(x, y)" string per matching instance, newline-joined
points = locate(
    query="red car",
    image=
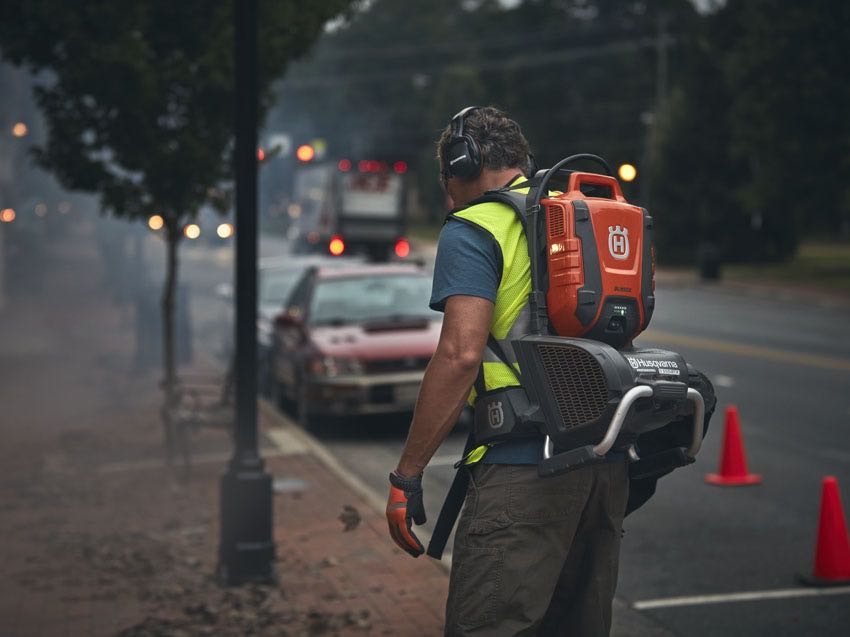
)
(355, 340)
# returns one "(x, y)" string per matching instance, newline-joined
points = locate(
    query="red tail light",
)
(402, 248)
(400, 167)
(344, 165)
(336, 246)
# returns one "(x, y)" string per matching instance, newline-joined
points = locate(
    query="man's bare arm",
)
(448, 379)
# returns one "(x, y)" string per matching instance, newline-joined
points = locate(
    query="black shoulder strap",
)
(534, 225)
(496, 347)
(514, 200)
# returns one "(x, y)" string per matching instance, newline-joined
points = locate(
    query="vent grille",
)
(555, 218)
(576, 381)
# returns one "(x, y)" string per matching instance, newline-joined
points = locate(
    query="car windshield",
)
(396, 297)
(275, 285)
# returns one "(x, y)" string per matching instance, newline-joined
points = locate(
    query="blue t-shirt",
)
(469, 262)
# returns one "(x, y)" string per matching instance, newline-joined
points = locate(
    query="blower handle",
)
(534, 195)
(539, 319)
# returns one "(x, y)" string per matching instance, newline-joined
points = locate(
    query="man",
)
(532, 555)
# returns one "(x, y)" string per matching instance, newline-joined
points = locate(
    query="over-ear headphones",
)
(461, 155)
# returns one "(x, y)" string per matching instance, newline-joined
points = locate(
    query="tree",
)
(755, 154)
(577, 74)
(138, 100)
(784, 65)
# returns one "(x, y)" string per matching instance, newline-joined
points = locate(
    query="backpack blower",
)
(583, 385)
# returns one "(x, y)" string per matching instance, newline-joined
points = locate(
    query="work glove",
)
(404, 507)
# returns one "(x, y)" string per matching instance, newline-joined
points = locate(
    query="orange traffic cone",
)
(832, 554)
(733, 462)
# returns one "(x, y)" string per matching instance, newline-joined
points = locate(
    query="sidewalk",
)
(101, 538)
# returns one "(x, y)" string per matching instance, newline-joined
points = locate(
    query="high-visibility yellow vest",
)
(511, 312)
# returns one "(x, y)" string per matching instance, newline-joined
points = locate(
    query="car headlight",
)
(335, 366)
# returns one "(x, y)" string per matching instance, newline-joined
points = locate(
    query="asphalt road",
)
(783, 358)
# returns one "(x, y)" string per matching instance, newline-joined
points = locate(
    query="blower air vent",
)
(555, 217)
(576, 381)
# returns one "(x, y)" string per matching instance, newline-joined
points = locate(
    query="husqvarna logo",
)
(618, 242)
(495, 415)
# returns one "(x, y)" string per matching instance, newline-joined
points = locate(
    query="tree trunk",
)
(168, 354)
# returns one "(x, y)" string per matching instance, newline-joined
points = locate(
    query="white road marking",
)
(744, 596)
(722, 380)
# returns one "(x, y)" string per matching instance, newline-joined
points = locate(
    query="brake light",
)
(400, 167)
(402, 248)
(371, 166)
(336, 246)
(344, 165)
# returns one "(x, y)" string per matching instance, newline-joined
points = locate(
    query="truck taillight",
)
(336, 246)
(344, 165)
(371, 166)
(402, 248)
(400, 167)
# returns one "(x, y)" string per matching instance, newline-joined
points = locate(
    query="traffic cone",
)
(832, 553)
(733, 462)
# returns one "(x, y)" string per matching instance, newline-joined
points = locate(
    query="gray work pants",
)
(537, 556)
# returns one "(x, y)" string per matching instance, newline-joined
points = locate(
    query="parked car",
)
(276, 277)
(355, 341)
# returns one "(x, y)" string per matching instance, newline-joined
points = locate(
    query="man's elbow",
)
(463, 360)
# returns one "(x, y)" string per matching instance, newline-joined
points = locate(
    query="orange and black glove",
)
(405, 507)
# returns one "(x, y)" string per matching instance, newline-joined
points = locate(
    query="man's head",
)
(480, 150)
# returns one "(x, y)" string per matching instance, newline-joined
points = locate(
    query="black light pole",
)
(246, 552)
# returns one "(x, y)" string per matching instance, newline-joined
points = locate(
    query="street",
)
(782, 358)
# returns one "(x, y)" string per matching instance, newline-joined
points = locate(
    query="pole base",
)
(733, 481)
(247, 552)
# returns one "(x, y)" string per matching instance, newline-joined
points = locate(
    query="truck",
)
(349, 207)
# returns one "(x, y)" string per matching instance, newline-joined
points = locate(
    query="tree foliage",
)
(139, 104)
(759, 141)
(577, 74)
(752, 101)
(138, 97)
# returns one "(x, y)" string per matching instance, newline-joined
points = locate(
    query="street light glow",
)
(305, 152)
(192, 231)
(155, 222)
(627, 172)
(20, 129)
(224, 230)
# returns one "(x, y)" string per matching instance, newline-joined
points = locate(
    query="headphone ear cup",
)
(463, 159)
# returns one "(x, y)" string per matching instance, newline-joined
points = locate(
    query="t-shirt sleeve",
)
(468, 262)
